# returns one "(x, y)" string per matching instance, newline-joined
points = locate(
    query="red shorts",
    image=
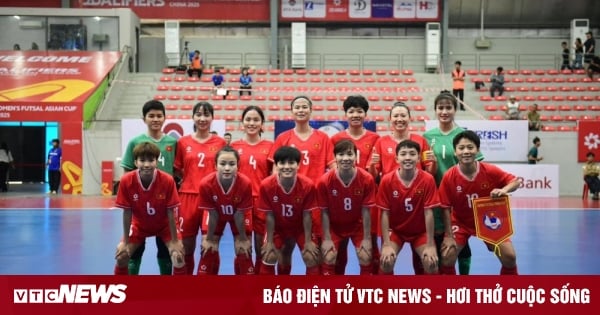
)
(138, 235)
(190, 217)
(258, 219)
(356, 235)
(223, 222)
(317, 223)
(414, 240)
(280, 238)
(375, 221)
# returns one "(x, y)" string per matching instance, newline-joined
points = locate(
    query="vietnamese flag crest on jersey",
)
(493, 220)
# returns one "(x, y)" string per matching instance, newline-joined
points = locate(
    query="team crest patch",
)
(298, 199)
(317, 145)
(237, 199)
(169, 148)
(264, 151)
(419, 191)
(485, 185)
(161, 196)
(358, 192)
(212, 149)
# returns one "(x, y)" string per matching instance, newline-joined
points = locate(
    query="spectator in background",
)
(532, 156)
(16, 47)
(196, 65)
(227, 137)
(497, 80)
(218, 79)
(245, 82)
(458, 83)
(565, 57)
(578, 63)
(589, 47)
(53, 164)
(594, 67)
(512, 108)
(6, 161)
(591, 170)
(533, 117)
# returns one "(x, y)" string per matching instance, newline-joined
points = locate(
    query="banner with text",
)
(361, 10)
(539, 180)
(52, 76)
(342, 295)
(501, 141)
(214, 10)
(588, 139)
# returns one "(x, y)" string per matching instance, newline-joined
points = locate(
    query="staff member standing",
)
(53, 164)
(458, 83)
(6, 160)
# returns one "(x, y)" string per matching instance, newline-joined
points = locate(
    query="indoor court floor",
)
(44, 234)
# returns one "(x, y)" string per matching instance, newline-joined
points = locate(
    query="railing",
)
(415, 62)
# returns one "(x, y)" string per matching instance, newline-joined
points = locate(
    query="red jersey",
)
(213, 196)
(364, 145)
(196, 160)
(149, 206)
(456, 190)
(287, 207)
(254, 161)
(386, 148)
(316, 153)
(406, 204)
(345, 203)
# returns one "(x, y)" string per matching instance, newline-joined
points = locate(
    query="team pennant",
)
(493, 220)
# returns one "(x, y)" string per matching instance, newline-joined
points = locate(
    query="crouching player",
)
(406, 198)
(471, 179)
(226, 197)
(288, 199)
(345, 196)
(149, 200)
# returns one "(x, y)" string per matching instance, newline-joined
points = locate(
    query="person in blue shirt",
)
(53, 164)
(218, 79)
(245, 82)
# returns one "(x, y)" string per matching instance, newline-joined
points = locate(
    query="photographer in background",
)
(195, 64)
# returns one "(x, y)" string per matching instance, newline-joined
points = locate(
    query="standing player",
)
(288, 199)
(383, 159)
(254, 163)
(149, 201)
(225, 197)
(440, 139)
(462, 183)
(153, 113)
(406, 198)
(356, 108)
(195, 158)
(315, 149)
(345, 196)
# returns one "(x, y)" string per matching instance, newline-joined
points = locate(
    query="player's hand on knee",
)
(430, 259)
(329, 252)
(122, 252)
(269, 253)
(448, 249)
(311, 254)
(209, 245)
(243, 247)
(177, 254)
(388, 256)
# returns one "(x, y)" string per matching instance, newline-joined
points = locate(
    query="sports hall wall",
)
(508, 42)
